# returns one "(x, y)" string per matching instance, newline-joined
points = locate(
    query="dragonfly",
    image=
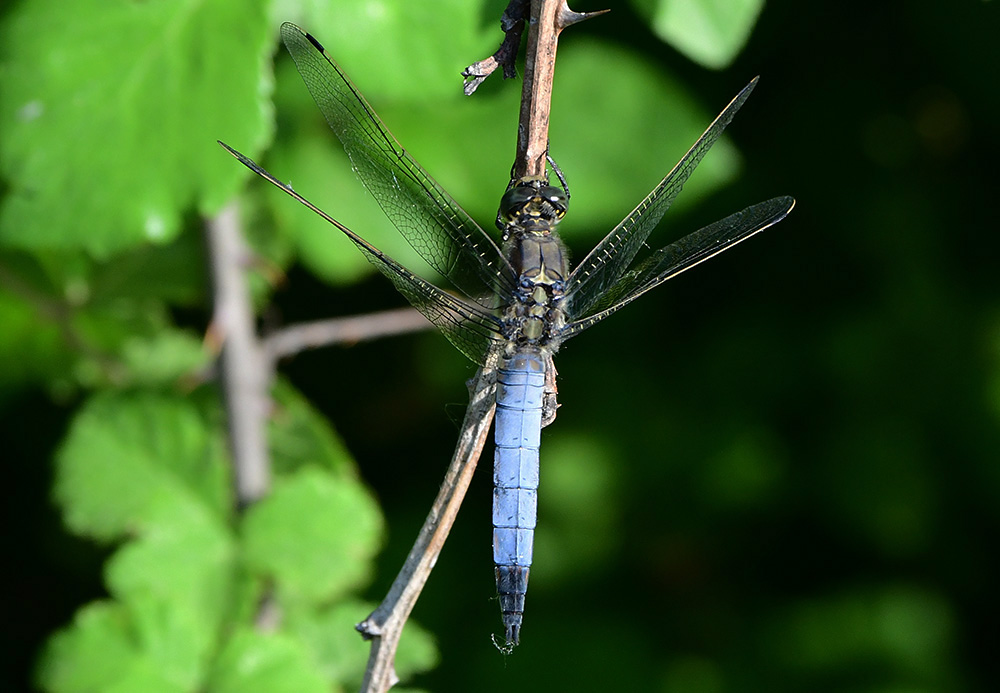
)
(518, 298)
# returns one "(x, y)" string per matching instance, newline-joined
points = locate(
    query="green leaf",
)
(29, 341)
(314, 535)
(709, 32)
(333, 642)
(331, 639)
(176, 582)
(640, 107)
(126, 454)
(175, 273)
(109, 114)
(388, 46)
(148, 465)
(164, 357)
(299, 436)
(98, 653)
(254, 662)
(73, 321)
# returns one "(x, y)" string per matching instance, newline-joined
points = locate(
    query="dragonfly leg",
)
(559, 174)
(549, 396)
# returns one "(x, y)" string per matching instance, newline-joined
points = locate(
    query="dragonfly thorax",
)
(535, 317)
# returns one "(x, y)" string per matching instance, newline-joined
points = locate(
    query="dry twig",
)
(292, 339)
(385, 625)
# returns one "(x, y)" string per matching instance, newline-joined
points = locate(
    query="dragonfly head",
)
(532, 205)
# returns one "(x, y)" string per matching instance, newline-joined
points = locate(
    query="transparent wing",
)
(602, 267)
(682, 255)
(468, 326)
(430, 220)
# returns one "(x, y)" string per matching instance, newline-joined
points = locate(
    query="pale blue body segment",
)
(520, 392)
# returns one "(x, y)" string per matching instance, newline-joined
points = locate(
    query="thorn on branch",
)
(567, 17)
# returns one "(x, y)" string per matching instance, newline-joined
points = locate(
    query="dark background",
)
(789, 477)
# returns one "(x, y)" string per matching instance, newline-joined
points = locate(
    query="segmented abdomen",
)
(520, 388)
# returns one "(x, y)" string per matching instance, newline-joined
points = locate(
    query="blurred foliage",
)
(788, 484)
(709, 32)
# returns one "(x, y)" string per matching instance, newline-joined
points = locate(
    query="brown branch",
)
(385, 625)
(244, 373)
(548, 19)
(292, 339)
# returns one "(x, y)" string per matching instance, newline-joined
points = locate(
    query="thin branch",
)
(548, 19)
(244, 373)
(385, 625)
(292, 339)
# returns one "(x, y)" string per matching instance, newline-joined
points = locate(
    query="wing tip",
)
(288, 29)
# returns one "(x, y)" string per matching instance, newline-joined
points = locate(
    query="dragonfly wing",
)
(430, 220)
(468, 326)
(609, 259)
(691, 250)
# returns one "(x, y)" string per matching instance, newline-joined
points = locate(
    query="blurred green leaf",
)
(111, 162)
(746, 473)
(640, 110)
(35, 345)
(386, 45)
(164, 358)
(254, 662)
(99, 652)
(126, 454)
(709, 32)
(175, 273)
(330, 635)
(300, 436)
(314, 535)
(908, 628)
(175, 580)
(580, 506)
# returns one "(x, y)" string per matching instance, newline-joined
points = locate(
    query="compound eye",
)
(555, 197)
(514, 200)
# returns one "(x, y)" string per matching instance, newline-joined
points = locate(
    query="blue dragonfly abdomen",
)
(520, 398)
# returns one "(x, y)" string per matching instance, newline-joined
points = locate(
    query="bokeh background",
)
(777, 472)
